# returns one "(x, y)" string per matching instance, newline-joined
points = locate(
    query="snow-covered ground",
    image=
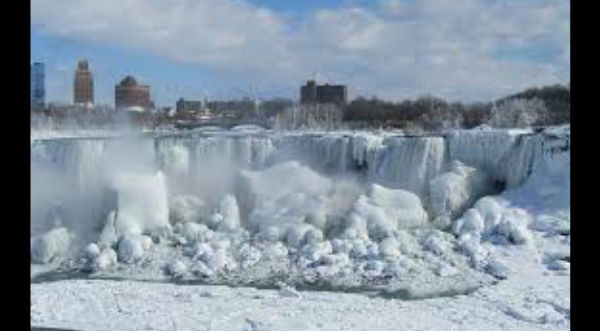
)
(467, 231)
(532, 299)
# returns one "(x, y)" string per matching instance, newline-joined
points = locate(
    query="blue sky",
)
(458, 49)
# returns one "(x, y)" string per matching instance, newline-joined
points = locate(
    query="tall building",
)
(37, 86)
(83, 88)
(130, 95)
(311, 93)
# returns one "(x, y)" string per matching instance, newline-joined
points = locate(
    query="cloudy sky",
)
(467, 50)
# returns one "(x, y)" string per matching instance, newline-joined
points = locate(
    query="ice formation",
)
(51, 245)
(349, 210)
(452, 192)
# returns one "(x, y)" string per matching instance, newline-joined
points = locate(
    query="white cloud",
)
(400, 49)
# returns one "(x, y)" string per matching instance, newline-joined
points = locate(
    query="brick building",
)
(83, 88)
(128, 94)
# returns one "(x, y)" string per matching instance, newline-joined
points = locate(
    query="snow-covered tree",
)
(518, 113)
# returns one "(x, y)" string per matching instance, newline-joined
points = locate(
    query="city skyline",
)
(466, 50)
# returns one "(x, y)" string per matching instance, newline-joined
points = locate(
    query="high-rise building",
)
(37, 86)
(83, 88)
(312, 93)
(130, 95)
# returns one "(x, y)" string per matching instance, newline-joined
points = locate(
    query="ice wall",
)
(77, 170)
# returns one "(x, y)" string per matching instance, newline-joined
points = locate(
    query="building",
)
(37, 86)
(129, 95)
(188, 105)
(83, 88)
(311, 93)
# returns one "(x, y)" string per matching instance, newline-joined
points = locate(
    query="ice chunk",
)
(437, 244)
(249, 255)
(130, 249)
(389, 248)
(146, 242)
(176, 268)
(559, 265)
(106, 259)
(193, 232)
(341, 246)
(202, 251)
(288, 291)
(498, 269)
(275, 251)
(295, 236)
(472, 248)
(91, 251)
(513, 226)
(491, 211)
(51, 245)
(471, 222)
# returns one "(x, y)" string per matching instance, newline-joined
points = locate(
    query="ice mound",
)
(142, 203)
(452, 192)
(491, 218)
(91, 251)
(228, 214)
(51, 245)
(284, 195)
(108, 236)
(194, 232)
(106, 259)
(176, 268)
(130, 249)
(382, 211)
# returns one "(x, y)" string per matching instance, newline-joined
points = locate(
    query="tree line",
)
(549, 105)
